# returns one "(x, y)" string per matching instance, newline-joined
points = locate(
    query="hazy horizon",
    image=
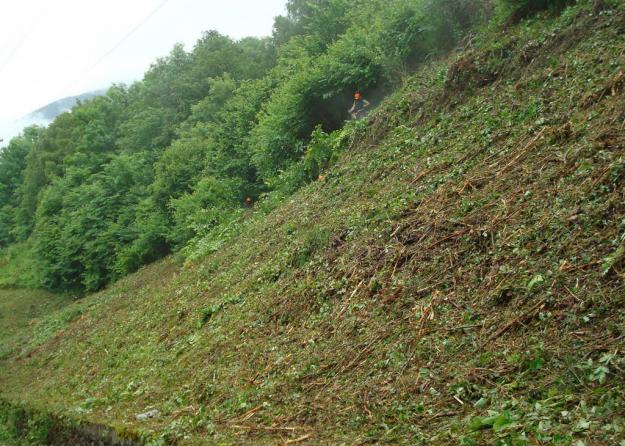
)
(80, 54)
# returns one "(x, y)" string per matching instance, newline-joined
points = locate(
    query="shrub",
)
(208, 206)
(521, 9)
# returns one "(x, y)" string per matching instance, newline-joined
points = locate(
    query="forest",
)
(176, 161)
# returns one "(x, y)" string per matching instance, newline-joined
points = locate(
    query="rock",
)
(147, 415)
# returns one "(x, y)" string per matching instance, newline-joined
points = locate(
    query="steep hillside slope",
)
(22, 317)
(457, 278)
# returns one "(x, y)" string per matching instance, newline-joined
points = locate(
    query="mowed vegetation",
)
(28, 317)
(456, 277)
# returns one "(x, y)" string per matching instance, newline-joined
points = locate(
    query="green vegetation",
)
(28, 318)
(521, 9)
(143, 170)
(454, 277)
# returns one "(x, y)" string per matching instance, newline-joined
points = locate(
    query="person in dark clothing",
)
(360, 105)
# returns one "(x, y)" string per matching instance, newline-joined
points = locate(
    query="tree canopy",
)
(138, 172)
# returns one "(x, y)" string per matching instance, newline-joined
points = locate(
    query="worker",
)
(360, 105)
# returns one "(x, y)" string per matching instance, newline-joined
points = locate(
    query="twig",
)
(247, 415)
(462, 327)
(403, 251)
(601, 347)
(451, 236)
(417, 178)
(569, 267)
(266, 428)
(512, 323)
(357, 357)
(298, 440)
(443, 414)
(494, 155)
(572, 294)
(426, 289)
(523, 152)
(350, 297)
(356, 289)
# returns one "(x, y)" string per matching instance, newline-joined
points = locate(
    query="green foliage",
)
(19, 427)
(495, 420)
(150, 228)
(383, 42)
(82, 221)
(39, 312)
(169, 161)
(209, 205)
(321, 152)
(520, 9)
(323, 20)
(614, 258)
(19, 266)
(12, 165)
(314, 242)
(207, 313)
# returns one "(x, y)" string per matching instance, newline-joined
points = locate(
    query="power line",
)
(23, 39)
(128, 35)
(119, 43)
(14, 51)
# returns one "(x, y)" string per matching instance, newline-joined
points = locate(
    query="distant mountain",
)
(43, 116)
(52, 110)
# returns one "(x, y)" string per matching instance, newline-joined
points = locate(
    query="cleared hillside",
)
(456, 278)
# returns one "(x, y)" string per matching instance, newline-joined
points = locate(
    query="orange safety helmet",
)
(357, 96)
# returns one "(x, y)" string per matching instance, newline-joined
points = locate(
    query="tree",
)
(12, 165)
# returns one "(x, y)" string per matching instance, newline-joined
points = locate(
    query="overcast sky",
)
(50, 49)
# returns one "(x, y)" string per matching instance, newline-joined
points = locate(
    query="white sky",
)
(50, 49)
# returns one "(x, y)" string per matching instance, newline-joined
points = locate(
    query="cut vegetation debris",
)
(456, 278)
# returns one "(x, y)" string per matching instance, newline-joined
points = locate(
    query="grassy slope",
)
(449, 281)
(25, 319)
(17, 269)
